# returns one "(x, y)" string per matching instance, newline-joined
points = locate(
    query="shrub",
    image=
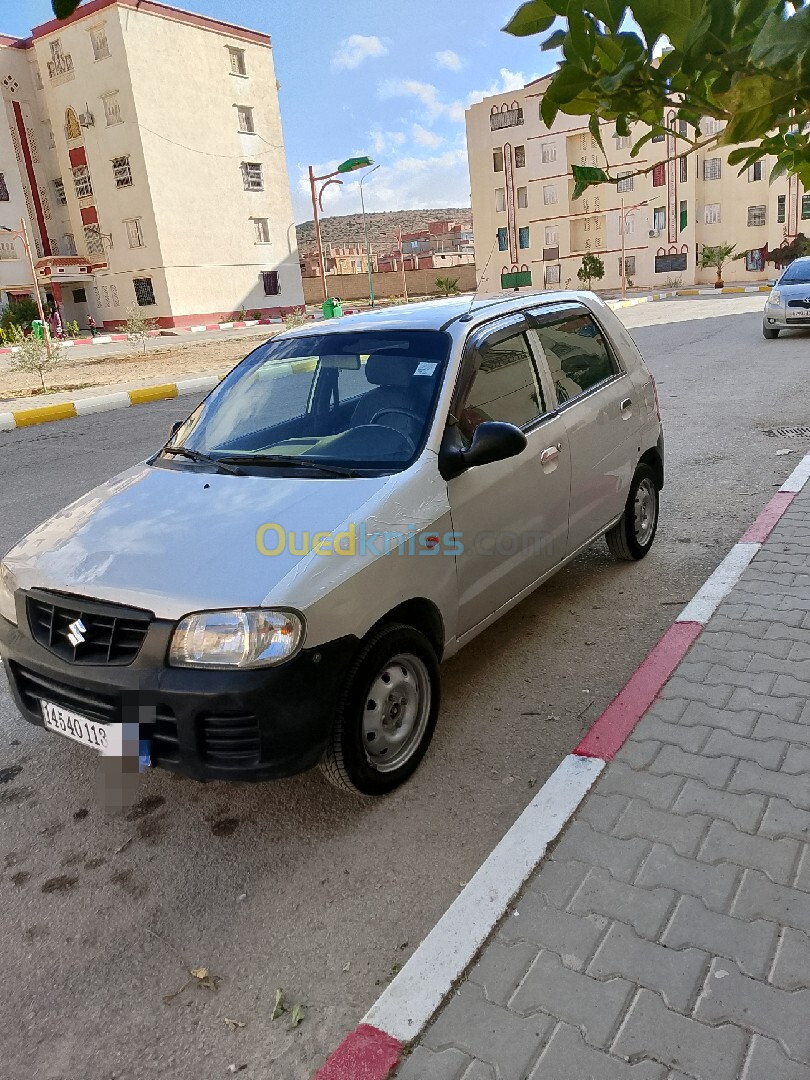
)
(447, 285)
(592, 269)
(137, 327)
(33, 356)
(22, 314)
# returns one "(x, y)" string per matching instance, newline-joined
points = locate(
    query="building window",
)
(112, 109)
(262, 229)
(548, 152)
(59, 188)
(72, 127)
(236, 58)
(144, 293)
(684, 217)
(711, 168)
(553, 275)
(659, 176)
(629, 266)
(511, 116)
(92, 240)
(53, 246)
(60, 62)
(271, 282)
(670, 264)
(659, 218)
(755, 171)
(252, 176)
(552, 235)
(710, 126)
(682, 129)
(500, 199)
(245, 116)
(503, 242)
(98, 39)
(134, 232)
(625, 182)
(523, 236)
(522, 198)
(806, 206)
(623, 142)
(3, 188)
(122, 173)
(780, 208)
(520, 157)
(711, 213)
(497, 159)
(627, 225)
(79, 296)
(659, 137)
(69, 244)
(549, 195)
(82, 182)
(683, 168)
(756, 215)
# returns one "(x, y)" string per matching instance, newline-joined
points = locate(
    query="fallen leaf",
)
(232, 1024)
(205, 978)
(278, 1005)
(236, 1068)
(296, 1016)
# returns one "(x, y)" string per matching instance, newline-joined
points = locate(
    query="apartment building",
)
(143, 147)
(530, 231)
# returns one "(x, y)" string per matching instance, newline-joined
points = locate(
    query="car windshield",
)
(333, 401)
(797, 273)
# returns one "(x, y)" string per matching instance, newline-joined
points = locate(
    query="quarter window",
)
(497, 159)
(503, 242)
(549, 195)
(577, 356)
(505, 386)
(659, 176)
(624, 183)
(552, 235)
(271, 282)
(522, 198)
(262, 230)
(500, 199)
(806, 206)
(134, 232)
(755, 171)
(553, 275)
(623, 142)
(683, 169)
(92, 240)
(659, 218)
(520, 157)
(523, 237)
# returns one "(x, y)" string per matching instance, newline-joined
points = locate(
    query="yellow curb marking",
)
(153, 393)
(44, 414)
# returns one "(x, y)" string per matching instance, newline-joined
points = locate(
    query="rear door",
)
(597, 400)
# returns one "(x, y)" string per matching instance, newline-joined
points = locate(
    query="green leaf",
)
(554, 41)
(586, 176)
(278, 1005)
(609, 12)
(595, 129)
(63, 8)
(569, 82)
(533, 17)
(782, 39)
(753, 104)
(296, 1016)
(670, 18)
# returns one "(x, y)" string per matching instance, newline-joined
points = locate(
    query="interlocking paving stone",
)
(652, 1030)
(791, 969)
(771, 727)
(690, 737)
(776, 858)
(803, 875)
(778, 1014)
(748, 943)
(714, 771)
(603, 811)
(683, 834)
(766, 752)
(501, 969)
(716, 696)
(646, 910)
(658, 791)
(740, 723)
(744, 811)
(760, 898)
(797, 760)
(715, 885)
(758, 681)
(638, 753)
(669, 711)
(573, 937)
(799, 669)
(621, 857)
(568, 1057)
(788, 708)
(591, 1005)
(766, 1061)
(784, 819)
(751, 777)
(559, 879)
(424, 1064)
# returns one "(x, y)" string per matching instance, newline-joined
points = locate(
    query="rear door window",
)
(577, 354)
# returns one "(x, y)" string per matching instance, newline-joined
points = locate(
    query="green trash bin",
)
(337, 305)
(38, 329)
(332, 308)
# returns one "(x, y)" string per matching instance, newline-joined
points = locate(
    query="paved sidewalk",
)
(667, 936)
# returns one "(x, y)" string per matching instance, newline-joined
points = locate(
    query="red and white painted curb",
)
(374, 1049)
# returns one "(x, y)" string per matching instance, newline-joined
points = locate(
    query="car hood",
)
(174, 541)
(795, 292)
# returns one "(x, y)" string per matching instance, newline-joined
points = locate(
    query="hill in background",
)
(382, 227)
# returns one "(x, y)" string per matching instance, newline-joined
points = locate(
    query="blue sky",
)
(379, 77)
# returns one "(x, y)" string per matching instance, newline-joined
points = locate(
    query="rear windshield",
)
(362, 401)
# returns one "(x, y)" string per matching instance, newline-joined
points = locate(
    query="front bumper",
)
(783, 319)
(210, 725)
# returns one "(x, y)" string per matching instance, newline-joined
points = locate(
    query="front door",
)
(512, 515)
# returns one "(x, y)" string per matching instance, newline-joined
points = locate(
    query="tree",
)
(447, 285)
(137, 327)
(740, 62)
(32, 356)
(19, 314)
(592, 268)
(63, 8)
(717, 256)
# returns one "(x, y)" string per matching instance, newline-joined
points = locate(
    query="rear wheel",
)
(632, 535)
(770, 332)
(386, 714)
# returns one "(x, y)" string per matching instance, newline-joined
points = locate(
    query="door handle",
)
(626, 404)
(551, 453)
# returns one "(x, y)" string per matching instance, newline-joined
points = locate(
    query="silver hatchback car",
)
(276, 586)
(788, 305)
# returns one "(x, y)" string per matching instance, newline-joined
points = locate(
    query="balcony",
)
(60, 69)
(505, 118)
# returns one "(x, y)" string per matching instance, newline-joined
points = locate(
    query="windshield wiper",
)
(202, 459)
(294, 462)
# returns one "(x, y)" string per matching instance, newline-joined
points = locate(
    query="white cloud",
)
(427, 94)
(423, 137)
(356, 48)
(386, 141)
(508, 81)
(448, 59)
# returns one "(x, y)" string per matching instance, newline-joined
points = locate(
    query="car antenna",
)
(467, 316)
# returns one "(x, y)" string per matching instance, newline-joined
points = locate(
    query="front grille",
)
(230, 741)
(33, 688)
(799, 303)
(165, 743)
(86, 632)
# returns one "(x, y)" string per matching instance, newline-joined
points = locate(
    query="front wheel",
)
(632, 535)
(770, 332)
(386, 714)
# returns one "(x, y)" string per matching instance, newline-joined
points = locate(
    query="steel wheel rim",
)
(396, 712)
(644, 512)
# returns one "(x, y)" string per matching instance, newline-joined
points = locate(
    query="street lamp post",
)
(623, 230)
(350, 165)
(365, 230)
(22, 234)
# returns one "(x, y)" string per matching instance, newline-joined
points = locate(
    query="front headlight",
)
(8, 584)
(249, 638)
(775, 298)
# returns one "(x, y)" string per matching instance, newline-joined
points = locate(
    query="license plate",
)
(103, 738)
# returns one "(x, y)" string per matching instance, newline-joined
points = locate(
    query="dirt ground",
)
(186, 359)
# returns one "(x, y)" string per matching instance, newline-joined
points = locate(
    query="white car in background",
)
(788, 305)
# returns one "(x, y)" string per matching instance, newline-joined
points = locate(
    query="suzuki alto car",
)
(788, 304)
(275, 588)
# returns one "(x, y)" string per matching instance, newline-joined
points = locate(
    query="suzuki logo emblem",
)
(77, 631)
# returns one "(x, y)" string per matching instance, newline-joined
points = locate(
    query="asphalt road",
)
(291, 885)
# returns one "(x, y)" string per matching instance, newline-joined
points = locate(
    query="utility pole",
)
(402, 260)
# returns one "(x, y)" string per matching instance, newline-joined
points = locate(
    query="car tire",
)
(631, 537)
(770, 332)
(380, 736)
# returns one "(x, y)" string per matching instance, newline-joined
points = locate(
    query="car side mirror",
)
(175, 428)
(492, 440)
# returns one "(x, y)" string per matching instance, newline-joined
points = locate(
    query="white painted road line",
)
(799, 477)
(419, 989)
(716, 588)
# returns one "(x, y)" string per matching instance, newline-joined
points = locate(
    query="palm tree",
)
(717, 256)
(447, 285)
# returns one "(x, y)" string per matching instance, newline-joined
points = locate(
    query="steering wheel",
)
(385, 427)
(401, 412)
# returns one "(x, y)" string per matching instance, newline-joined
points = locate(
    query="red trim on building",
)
(32, 176)
(152, 8)
(78, 156)
(89, 215)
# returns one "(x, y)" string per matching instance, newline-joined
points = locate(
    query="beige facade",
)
(143, 146)
(529, 227)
